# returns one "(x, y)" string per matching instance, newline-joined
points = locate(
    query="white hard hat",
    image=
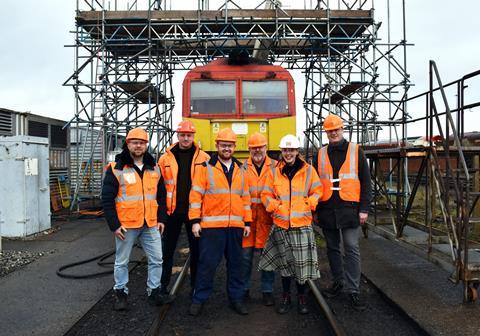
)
(289, 141)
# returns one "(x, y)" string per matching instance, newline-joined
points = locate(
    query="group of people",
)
(232, 208)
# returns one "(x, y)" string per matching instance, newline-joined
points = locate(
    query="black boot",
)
(302, 304)
(334, 290)
(246, 294)
(268, 299)
(120, 299)
(285, 304)
(356, 302)
(156, 298)
(239, 308)
(195, 309)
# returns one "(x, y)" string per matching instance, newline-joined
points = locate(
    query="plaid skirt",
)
(292, 252)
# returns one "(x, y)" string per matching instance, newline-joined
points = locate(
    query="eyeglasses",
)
(137, 142)
(226, 145)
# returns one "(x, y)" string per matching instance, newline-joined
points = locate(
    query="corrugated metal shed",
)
(15, 123)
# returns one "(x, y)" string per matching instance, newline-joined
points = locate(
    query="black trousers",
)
(169, 244)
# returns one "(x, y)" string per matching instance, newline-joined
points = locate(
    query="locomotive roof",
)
(221, 64)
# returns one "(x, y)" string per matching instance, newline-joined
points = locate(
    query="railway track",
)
(163, 310)
(333, 324)
(326, 317)
(332, 317)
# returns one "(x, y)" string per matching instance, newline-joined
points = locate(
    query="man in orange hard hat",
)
(178, 165)
(221, 215)
(343, 207)
(133, 199)
(258, 167)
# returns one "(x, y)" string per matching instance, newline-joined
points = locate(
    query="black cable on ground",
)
(100, 263)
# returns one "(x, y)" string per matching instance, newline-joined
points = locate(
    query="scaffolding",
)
(127, 51)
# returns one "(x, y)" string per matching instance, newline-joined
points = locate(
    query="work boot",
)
(164, 290)
(195, 309)
(246, 294)
(334, 290)
(239, 308)
(268, 299)
(302, 304)
(356, 302)
(156, 298)
(285, 305)
(120, 299)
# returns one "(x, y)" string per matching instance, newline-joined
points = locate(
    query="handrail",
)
(450, 120)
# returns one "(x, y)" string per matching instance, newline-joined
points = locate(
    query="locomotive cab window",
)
(265, 97)
(212, 97)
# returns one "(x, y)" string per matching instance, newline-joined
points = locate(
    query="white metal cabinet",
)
(24, 186)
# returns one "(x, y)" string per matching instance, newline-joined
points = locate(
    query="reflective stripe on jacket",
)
(261, 219)
(169, 167)
(136, 201)
(292, 202)
(215, 202)
(348, 181)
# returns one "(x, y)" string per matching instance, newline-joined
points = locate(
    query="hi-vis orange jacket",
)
(136, 200)
(169, 167)
(216, 204)
(348, 182)
(261, 219)
(292, 202)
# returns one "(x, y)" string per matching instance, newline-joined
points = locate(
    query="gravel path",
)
(11, 260)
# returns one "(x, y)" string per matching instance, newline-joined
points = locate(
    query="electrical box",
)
(24, 186)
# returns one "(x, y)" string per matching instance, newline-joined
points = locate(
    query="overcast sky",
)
(34, 62)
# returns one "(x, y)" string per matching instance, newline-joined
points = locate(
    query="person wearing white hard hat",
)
(290, 195)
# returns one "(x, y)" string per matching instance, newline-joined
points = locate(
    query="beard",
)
(258, 159)
(137, 155)
(225, 155)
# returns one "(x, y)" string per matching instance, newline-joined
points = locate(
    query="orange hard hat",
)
(186, 126)
(226, 134)
(137, 133)
(257, 140)
(332, 122)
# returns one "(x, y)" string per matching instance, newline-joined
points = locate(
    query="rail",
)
(162, 311)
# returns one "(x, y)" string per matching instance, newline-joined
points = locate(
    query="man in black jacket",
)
(133, 199)
(178, 165)
(343, 171)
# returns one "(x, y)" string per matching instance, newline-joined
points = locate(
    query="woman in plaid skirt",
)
(291, 195)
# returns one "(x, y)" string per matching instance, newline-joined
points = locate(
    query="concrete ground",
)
(34, 300)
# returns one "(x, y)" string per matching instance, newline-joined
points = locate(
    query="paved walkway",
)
(34, 300)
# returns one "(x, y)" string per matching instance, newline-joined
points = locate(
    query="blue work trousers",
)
(267, 277)
(215, 243)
